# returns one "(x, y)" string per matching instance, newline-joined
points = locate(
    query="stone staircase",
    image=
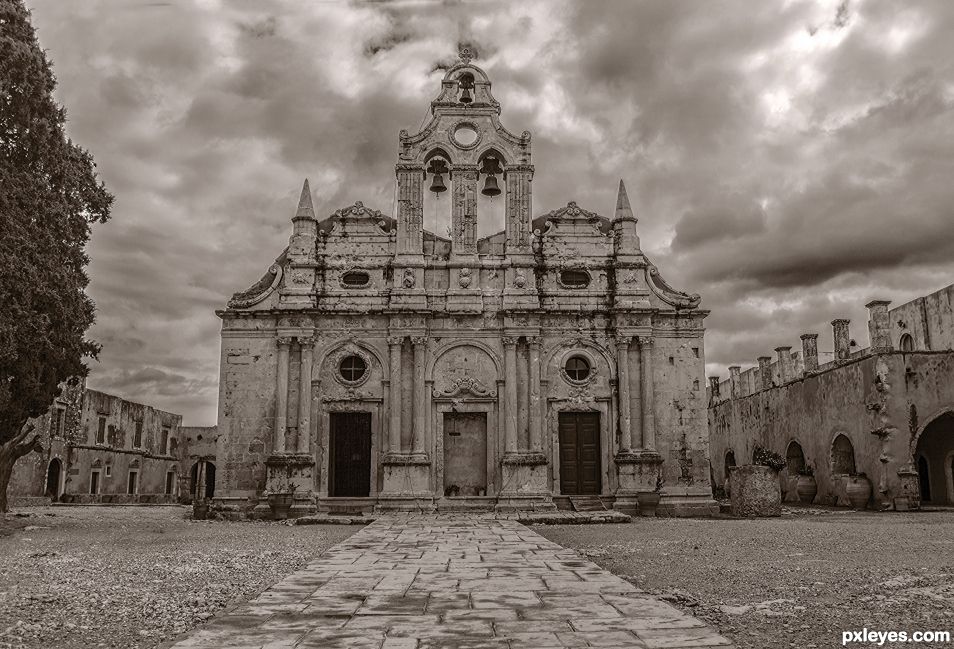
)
(587, 504)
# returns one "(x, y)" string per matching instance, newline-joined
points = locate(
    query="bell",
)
(490, 186)
(465, 96)
(437, 185)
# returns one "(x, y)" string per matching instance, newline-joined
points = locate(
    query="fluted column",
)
(420, 394)
(625, 414)
(510, 399)
(536, 423)
(648, 392)
(304, 394)
(281, 396)
(394, 426)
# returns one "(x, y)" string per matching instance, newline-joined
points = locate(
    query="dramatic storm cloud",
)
(787, 160)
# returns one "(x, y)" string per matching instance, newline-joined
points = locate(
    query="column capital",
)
(284, 341)
(533, 341)
(508, 340)
(622, 343)
(395, 340)
(306, 341)
(645, 342)
(405, 166)
(419, 340)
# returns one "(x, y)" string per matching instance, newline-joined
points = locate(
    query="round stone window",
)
(465, 135)
(577, 368)
(352, 368)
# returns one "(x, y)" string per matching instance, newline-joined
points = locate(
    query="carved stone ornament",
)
(260, 290)
(464, 279)
(283, 341)
(465, 384)
(520, 280)
(408, 280)
(395, 340)
(670, 295)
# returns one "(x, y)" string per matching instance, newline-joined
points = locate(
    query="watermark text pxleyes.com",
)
(880, 638)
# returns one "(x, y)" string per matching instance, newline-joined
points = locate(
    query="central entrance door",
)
(349, 466)
(579, 453)
(465, 454)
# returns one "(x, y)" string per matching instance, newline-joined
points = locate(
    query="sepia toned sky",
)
(787, 160)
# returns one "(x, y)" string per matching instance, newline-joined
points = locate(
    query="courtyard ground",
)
(795, 581)
(135, 576)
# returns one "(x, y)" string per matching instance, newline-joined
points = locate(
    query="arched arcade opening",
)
(934, 457)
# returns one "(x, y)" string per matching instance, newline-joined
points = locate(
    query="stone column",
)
(410, 216)
(879, 329)
(464, 210)
(842, 341)
(304, 394)
(810, 352)
(648, 389)
(420, 395)
(735, 381)
(536, 423)
(625, 405)
(784, 363)
(510, 399)
(394, 425)
(765, 372)
(518, 208)
(281, 396)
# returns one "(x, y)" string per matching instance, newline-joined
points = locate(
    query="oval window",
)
(352, 368)
(356, 278)
(577, 368)
(465, 135)
(575, 278)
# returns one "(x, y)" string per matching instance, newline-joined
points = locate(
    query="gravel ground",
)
(134, 576)
(795, 581)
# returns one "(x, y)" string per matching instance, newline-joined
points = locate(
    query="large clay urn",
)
(858, 490)
(806, 488)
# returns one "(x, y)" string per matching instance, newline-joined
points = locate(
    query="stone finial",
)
(879, 329)
(623, 209)
(784, 363)
(305, 208)
(735, 381)
(841, 339)
(810, 352)
(765, 371)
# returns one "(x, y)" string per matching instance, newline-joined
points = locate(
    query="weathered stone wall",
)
(929, 320)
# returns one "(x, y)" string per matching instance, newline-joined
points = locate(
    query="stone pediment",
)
(575, 218)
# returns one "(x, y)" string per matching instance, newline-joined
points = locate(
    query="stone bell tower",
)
(466, 141)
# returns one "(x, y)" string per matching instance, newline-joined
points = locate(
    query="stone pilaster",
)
(735, 381)
(304, 395)
(785, 370)
(420, 395)
(281, 395)
(510, 397)
(464, 210)
(765, 372)
(809, 352)
(879, 328)
(410, 217)
(841, 338)
(648, 392)
(536, 414)
(625, 403)
(394, 396)
(518, 208)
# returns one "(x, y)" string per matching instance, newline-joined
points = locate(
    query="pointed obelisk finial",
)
(623, 210)
(305, 208)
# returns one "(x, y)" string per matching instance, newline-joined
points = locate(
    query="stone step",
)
(587, 503)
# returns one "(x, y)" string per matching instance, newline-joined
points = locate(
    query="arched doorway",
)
(934, 453)
(906, 344)
(53, 473)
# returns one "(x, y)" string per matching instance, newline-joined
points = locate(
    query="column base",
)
(638, 474)
(525, 483)
(407, 477)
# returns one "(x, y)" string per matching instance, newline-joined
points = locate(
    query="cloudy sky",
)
(787, 160)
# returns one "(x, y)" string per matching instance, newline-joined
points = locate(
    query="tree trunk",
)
(10, 452)
(6, 470)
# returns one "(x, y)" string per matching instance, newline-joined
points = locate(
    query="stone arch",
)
(842, 455)
(794, 458)
(906, 343)
(729, 461)
(492, 148)
(934, 444)
(443, 349)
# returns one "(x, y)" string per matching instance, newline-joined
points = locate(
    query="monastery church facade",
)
(380, 366)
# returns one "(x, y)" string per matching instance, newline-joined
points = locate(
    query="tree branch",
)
(22, 435)
(19, 450)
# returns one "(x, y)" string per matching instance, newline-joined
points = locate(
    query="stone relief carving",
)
(668, 294)
(408, 280)
(464, 279)
(465, 384)
(520, 280)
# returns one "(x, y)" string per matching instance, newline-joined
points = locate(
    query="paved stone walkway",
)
(452, 582)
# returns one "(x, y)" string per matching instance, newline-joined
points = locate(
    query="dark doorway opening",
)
(53, 478)
(924, 479)
(465, 454)
(202, 480)
(349, 468)
(935, 460)
(579, 453)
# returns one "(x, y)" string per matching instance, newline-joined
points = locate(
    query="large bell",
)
(490, 186)
(465, 96)
(437, 184)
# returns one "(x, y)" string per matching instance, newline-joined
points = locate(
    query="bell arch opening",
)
(491, 194)
(437, 202)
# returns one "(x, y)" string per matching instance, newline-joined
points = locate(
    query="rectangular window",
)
(164, 449)
(170, 482)
(94, 481)
(132, 487)
(173, 445)
(109, 470)
(60, 421)
(101, 431)
(137, 440)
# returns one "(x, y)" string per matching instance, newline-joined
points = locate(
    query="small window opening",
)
(577, 368)
(352, 368)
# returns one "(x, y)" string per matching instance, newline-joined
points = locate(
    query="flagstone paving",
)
(452, 582)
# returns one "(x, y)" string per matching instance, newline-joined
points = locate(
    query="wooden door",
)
(465, 454)
(349, 468)
(579, 453)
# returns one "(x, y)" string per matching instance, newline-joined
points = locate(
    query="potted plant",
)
(200, 509)
(755, 487)
(806, 487)
(280, 500)
(649, 500)
(858, 490)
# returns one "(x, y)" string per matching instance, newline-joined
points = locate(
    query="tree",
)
(49, 197)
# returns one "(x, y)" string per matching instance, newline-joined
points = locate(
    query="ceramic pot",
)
(648, 501)
(200, 511)
(280, 505)
(858, 490)
(806, 488)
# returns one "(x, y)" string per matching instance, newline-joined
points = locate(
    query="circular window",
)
(577, 368)
(352, 368)
(465, 136)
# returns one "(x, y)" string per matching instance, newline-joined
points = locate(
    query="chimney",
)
(879, 330)
(810, 352)
(765, 371)
(842, 342)
(784, 363)
(714, 388)
(735, 381)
